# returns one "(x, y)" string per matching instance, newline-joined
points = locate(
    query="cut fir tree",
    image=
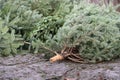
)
(94, 32)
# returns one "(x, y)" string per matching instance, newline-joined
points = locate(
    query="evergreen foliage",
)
(35, 25)
(34, 20)
(95, 30)
(9, 42)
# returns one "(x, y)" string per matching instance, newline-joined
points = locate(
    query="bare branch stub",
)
(71, 53)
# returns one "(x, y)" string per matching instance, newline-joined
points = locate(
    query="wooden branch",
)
(49, 50)
(55, 58)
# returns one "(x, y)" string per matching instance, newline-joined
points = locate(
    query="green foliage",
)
(48, 25)
(36, 24)
(9, 42)
(47, 28)
(34, 19)
(94, 29)
(53, 7)
(22, 17)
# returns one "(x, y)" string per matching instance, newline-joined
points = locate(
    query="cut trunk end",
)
(57, 57)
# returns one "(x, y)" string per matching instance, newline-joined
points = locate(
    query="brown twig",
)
(43, 47)
(49, 50)
(75, 60)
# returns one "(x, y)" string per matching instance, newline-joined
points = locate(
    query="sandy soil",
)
(34, 67)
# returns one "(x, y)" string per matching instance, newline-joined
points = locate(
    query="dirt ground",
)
(34, 67)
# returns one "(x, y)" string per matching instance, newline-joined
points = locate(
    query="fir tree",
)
(95, 30)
